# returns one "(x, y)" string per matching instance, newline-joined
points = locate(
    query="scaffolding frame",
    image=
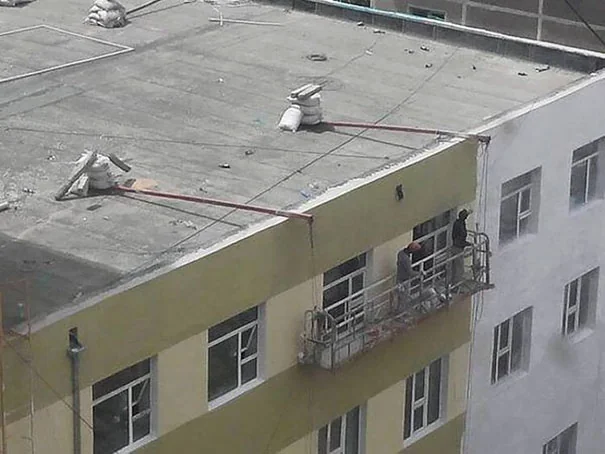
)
(390, 308)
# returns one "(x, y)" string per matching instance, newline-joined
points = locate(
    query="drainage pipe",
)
(74, 350)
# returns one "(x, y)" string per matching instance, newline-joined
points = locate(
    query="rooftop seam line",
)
(122, 50)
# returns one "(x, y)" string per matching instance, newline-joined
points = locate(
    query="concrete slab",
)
(194, 95)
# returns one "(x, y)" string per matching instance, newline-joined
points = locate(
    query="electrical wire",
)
(588, 26)
(50, 387)
(56, 393)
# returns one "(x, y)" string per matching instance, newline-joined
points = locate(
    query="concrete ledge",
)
(524, 48)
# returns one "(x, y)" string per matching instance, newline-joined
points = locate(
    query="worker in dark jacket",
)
(405, 272)
(459, 243)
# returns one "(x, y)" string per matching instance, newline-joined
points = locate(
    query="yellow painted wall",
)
(182, 304)
(287, 406)
(446, 439)
(284, 324)
(384, 417)
(53, 429)
(181, 383)
(384, 260)
(457, 381)
(305, 445)
(384, 429)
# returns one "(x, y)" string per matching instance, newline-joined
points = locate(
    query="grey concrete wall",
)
(547, 20)
(518, 25)
(564, 382)
(452, 10)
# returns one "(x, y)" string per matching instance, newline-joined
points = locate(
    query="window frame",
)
(572, 432)
(354, 301)
(522, 189)
(424, 402)
(344, 421)
(581, 308)
(257, 327)
(420, 264)
(520, 214)
(521, 320)
(587, 197)
(426, 13)
(150, 378)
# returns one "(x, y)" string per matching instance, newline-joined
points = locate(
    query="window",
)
(423, 399)
(433, 235)
(564, 443)
(511, 345)
(122, 409)
(233, 353)
(518, 207)
(342, 435)
(343, 292)
(429, 14)
(580, 299)
(584, 174)
(365, 3)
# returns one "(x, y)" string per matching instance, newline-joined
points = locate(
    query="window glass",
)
(352, 432)
(232, 324)
(344, 269)
(120, 379)
(222, 368)
(578, 184)
(122, 408)
(434, 391)
(508, 219)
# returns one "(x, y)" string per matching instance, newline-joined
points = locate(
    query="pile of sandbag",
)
(97, 176)
(305, 108)
(106, 13)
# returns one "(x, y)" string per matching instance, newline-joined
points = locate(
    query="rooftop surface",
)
(194, 95)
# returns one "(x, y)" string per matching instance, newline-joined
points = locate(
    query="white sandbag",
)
(109, 5)
(94, 9)
(311, 101)
(311, 111)
(112, 19)
(93, 17)
(101, 164)
(311, 119)
(291, 119)
(104, 184)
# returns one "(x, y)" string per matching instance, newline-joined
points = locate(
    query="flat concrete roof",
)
(194, 95)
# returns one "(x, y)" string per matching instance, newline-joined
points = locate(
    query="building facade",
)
(273, 334)
(537, 376)
(209, 351)
(545, 20)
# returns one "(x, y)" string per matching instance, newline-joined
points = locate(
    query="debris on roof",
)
(317, 57)
(106, 13)
(305, 108)
(92, 171)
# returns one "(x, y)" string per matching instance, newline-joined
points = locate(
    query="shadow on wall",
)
(36, 277)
